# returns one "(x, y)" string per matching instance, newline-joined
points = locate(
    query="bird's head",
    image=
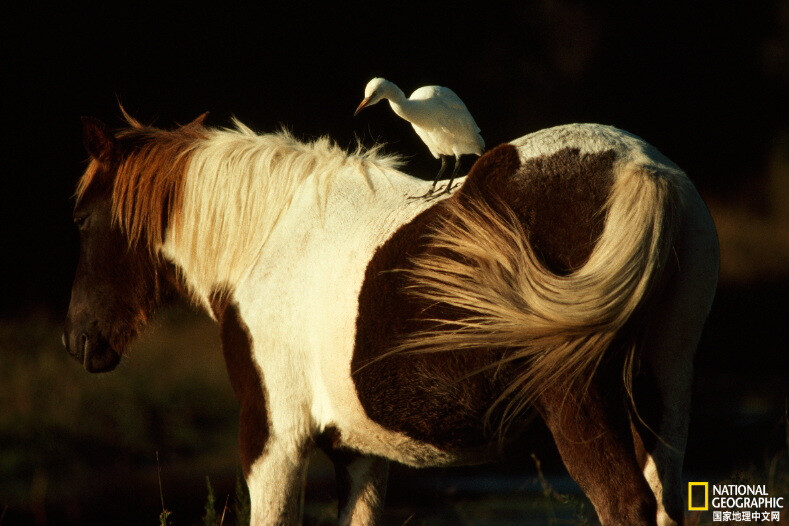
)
(376, 90)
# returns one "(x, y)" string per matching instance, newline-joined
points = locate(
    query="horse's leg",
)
(273, 457)
(361, 485)
(660, 444)
(276, 482)
(662, 402)
(592, 433)
(677, 324)
(670, 369)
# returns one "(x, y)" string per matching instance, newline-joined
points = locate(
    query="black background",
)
(705, 83)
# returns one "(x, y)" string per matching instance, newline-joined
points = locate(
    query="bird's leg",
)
(438, 176)
(454, 174)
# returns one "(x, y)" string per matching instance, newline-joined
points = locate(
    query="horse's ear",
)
(198, 122)
(97, 138)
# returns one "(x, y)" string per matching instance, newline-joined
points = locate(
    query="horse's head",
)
(119, 280)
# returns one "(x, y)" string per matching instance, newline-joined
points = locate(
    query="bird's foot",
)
(430, 194)
(445, 190)
(435, 193)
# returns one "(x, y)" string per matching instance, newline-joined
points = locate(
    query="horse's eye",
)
(80, 221)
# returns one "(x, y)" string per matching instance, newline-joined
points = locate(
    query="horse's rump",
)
(522, 282)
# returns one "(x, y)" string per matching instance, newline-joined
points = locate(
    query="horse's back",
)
(591, 139)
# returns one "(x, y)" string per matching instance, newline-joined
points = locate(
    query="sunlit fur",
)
(561, 325)
(239, 185)
(220, 192)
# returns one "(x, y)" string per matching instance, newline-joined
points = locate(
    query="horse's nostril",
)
(84, 345)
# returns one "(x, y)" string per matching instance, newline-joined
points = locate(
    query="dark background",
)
(704, 82)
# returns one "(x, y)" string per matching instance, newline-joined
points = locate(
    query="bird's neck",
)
(393, 93)
(402, 106)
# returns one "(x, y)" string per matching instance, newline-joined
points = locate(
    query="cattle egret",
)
(438, 116)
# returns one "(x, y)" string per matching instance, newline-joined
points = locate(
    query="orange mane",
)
(149, 178)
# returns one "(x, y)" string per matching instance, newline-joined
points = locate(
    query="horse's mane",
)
(148, 182)
(218, 193)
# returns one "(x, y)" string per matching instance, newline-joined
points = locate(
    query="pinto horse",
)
(567, 279)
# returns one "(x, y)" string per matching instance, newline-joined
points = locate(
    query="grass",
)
(66, 436)
(209, 517)
(171, 393)
(164, 516)
(582, 509)
(241, 507)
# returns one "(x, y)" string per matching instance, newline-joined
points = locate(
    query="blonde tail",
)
(482, 265)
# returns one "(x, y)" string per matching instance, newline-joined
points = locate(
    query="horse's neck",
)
(345, 215)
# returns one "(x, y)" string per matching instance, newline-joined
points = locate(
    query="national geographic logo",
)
(735, 502)
(698, 496)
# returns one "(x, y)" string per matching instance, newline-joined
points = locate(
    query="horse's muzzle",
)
(91, 349)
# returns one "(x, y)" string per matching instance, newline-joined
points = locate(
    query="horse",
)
(566, 280)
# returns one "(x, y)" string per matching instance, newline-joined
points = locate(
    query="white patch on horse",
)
(594, 138)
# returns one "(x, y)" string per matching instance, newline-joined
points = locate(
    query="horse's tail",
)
(561, 326)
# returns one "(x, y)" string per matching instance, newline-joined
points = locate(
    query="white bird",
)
(438, 116)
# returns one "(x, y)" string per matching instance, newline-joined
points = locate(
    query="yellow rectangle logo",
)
(705, 505)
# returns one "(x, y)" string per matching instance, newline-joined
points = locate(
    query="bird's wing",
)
(464, 129)
(452, 133)
(450, 99)
(446, 107)
(424, 93)
(440, 94)
(455, 118)
(448, 117)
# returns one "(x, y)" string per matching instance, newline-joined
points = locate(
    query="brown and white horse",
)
(569, 277)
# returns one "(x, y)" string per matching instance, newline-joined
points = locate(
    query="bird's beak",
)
(362, 105)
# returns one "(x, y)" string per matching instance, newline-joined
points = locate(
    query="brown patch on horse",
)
(558, 198)
(150, 167)
(245, 378)
(647, 399)
(435, 398)
(444, 398)
(425, 396)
